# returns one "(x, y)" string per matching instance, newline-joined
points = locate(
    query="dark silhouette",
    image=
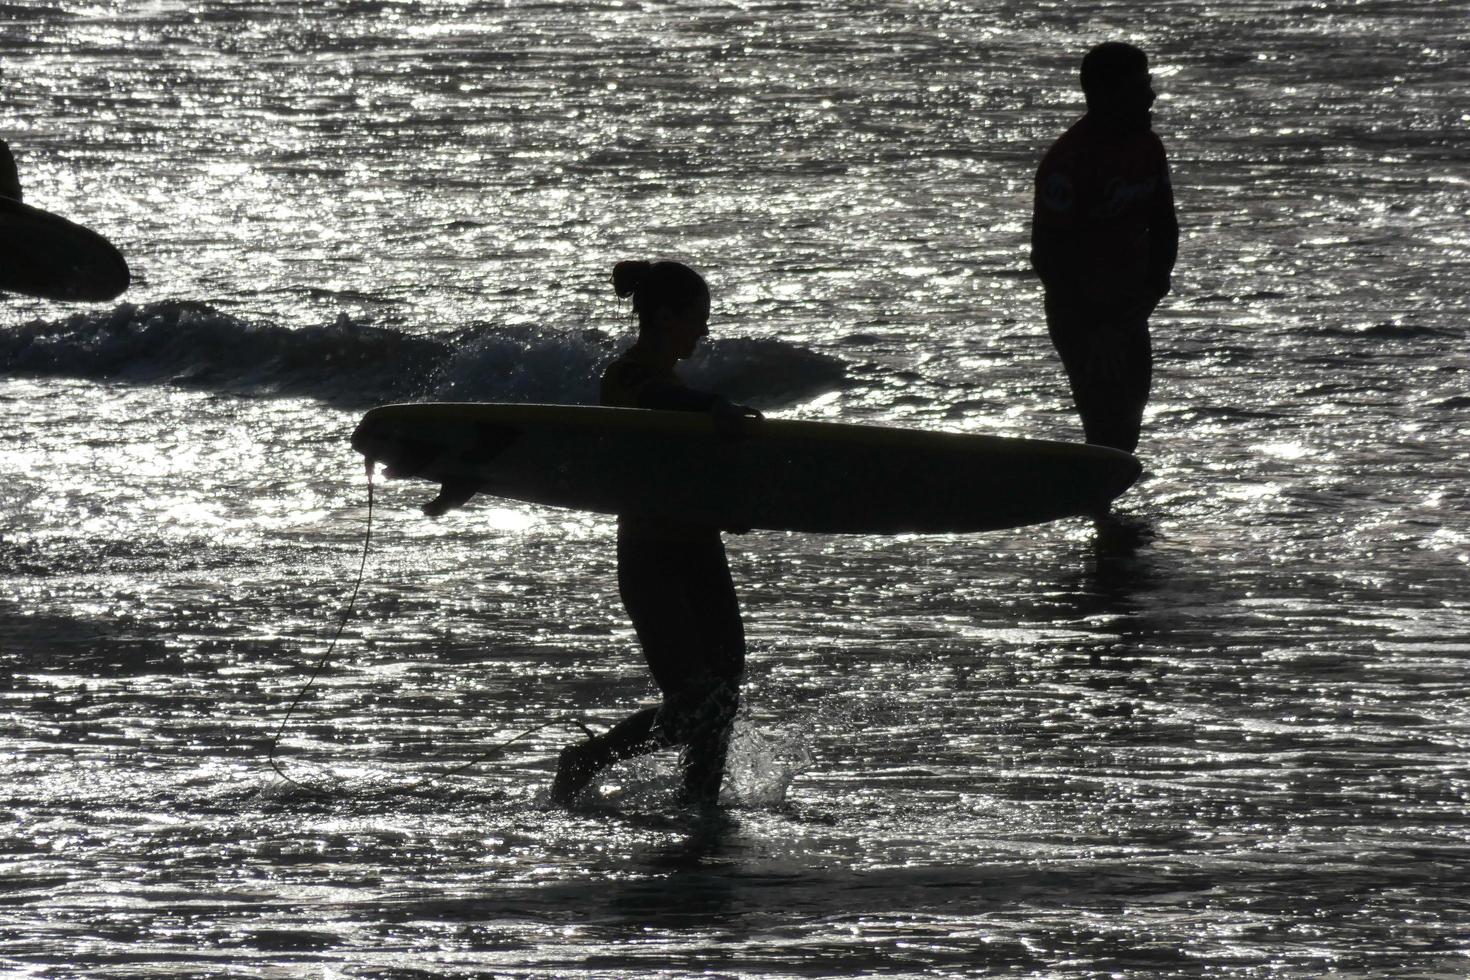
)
(48, 257)
(1103, 240)
(673, 577)
(9, 177)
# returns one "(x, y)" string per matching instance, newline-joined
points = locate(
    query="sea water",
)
(1236, 748)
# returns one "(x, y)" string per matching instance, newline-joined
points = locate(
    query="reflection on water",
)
(1227, 737)
(1111, 594)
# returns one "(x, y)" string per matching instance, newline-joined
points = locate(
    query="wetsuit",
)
(1103, 240)
(675, 582)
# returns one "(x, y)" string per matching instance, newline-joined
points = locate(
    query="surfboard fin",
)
(451, 496)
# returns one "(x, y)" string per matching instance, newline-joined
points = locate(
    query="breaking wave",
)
(352, 364)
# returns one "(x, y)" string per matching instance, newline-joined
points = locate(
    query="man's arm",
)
(1054, 230)
(1163, 232)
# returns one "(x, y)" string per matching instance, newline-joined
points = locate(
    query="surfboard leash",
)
(433, 778)
(321, 664)
(427, 779)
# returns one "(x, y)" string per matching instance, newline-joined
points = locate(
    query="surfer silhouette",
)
(673, 577)
(1104, 239)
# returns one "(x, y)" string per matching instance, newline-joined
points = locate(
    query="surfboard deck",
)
(819, 477)
(46, 256)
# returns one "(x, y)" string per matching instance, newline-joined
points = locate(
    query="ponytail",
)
(656, 285)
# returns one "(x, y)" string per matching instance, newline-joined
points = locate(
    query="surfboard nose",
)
(1125, 470)
(396, 436)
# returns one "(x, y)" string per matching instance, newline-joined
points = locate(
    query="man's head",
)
(1116, 81)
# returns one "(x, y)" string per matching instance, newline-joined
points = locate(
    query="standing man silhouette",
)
(1103, 241)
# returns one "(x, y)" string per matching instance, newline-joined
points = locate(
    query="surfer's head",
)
(1118, 87)
(671, 300)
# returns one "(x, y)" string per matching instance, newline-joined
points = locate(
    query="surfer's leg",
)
(1110, 403)
(682, 602)
(1137, 379)
(653, 584)
(643, 584)
(711, 698)
(580, 763)
(707, 742)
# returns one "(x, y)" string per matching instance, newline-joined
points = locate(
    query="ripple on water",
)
(1230, 741)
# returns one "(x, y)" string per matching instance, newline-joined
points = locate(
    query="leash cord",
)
(326, 658)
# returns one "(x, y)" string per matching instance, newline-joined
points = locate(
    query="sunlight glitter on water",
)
(1234, 749)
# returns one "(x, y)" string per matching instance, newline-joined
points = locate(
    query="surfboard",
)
(820, 477)
(44, 255)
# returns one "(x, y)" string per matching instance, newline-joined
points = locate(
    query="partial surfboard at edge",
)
(46, 256)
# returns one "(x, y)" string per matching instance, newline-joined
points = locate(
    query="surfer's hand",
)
(450, 497)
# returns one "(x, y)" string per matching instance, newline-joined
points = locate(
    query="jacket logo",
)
(1118, 194)
(1057, 192)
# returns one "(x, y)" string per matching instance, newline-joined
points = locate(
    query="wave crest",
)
(351, 364)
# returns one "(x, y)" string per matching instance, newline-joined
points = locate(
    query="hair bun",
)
(628, 276)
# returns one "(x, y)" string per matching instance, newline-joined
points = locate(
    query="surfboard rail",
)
(791, 475)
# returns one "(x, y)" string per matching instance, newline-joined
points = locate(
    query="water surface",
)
(1236, 749)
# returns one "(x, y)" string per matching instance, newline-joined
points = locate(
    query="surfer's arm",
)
(732, 422)
(676, 398)
(9, 177)
(730, 418)
(628, 383)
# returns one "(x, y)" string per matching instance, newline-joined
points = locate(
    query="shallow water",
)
(1234, 747)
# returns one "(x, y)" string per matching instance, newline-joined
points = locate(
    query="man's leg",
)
(1115, 403)
(1070, 337)
(1110, 370)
